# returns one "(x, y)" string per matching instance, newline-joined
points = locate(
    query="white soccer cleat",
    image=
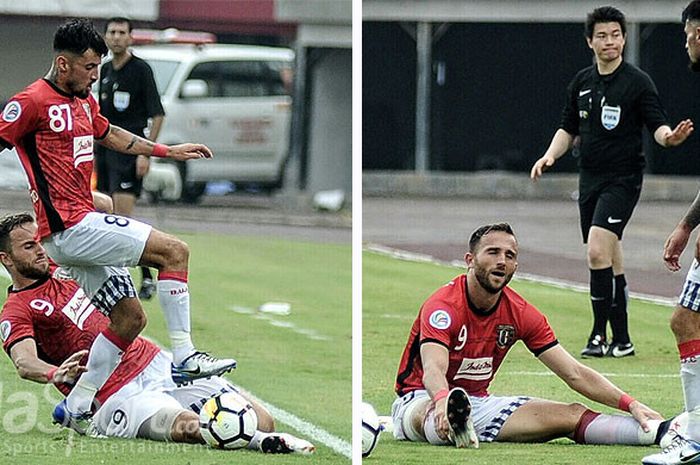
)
(459, 411)
(681, 451)
(285, 443)
(201, 365)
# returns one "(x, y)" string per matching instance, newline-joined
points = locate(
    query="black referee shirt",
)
(129, 96)
(608, 112)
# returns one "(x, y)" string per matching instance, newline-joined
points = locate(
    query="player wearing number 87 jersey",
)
(53, 124)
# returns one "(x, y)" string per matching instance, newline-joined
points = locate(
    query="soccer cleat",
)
(148, 288)
(681, 451)
(619, 350)
(201, 365)
(80, 423)
(596, 347)
(461, 425)
(284, 443)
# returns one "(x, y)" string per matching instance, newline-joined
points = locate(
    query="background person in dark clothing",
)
(128, 97)
(607, 106)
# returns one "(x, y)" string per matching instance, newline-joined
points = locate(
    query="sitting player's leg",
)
(413, 416)
(170, 256)
(542, 420)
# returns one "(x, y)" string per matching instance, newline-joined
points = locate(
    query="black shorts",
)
(116, 172)
(607, 200)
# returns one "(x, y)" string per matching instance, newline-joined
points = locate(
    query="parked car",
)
(233, 98)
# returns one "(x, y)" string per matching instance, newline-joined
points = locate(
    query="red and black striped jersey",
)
(54, 134)
(58, 315)
(477, 341)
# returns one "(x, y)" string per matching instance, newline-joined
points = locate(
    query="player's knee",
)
(576, 409)
(178, 254)
(128, 319)
(598, 257)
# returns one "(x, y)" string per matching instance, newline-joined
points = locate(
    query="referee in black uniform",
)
(608, 104)
(128, 97)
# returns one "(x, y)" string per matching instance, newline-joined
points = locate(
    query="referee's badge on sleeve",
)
(610, 116)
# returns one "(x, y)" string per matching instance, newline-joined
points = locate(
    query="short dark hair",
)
(691, 12)
(119, 19)
(78, 35)
(605, 14)
(8, 224)
(486, 229)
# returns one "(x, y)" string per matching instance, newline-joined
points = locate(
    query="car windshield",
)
(163, 72)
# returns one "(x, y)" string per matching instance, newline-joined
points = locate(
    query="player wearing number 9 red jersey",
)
(53, 124)
(460, 338)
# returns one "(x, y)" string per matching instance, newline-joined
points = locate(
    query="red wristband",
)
(440, 395)
(624, 402)
(160, 150)
(49, 374)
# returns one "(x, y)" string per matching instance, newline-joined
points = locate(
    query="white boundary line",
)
(561, 283)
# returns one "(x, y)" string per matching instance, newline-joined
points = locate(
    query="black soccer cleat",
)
(619, 350)
(458, 413)
(148, 288)
(596, 347)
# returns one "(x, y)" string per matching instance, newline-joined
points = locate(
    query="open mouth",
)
(500, 274)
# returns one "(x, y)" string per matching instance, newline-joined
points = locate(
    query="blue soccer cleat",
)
(80, 423)
(201, 365)
(681, 451)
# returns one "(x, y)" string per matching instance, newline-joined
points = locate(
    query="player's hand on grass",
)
(70, 369)
(540, 167)
(680, 133)
(643, 414)
(674, 246)
(184, 152)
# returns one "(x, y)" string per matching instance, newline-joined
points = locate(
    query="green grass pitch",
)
(393, 291)
(300, 363)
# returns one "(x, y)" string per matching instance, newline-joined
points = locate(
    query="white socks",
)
(103, 358)
(174, 297)
(619, 429)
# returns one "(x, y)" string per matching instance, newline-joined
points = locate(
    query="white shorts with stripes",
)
(690, 296)
(488, 414)
(95, 253)
(153, 389)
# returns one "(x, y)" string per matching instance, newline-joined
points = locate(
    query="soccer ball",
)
(370, 429)
(227, 421)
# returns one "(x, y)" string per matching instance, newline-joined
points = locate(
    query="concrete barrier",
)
(508, 185)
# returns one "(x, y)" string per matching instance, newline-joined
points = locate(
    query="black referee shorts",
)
(116, 172)
(607, 200)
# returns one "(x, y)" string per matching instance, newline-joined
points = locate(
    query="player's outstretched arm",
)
(30, 366)
(593, 385)
(667, 137)
(435, 358)
(121, 140)
(561, 143)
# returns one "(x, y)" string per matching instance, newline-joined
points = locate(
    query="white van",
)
(233, 98)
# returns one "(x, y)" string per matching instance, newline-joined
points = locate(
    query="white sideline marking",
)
(310, 333)
(314, 432)
(338, 445)
(608, 375)
(416, 257)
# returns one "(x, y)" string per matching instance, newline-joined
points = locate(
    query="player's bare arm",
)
(667, 137)
(143, 163)
(592, 384)
(30, 366)
(121, 140)
(678, 239)
(561, 143)
(435, 358)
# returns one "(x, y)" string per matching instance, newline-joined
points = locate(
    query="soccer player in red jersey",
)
(53, 124)
(456, 345)
(48, 323)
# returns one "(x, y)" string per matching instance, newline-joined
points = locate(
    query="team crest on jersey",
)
(440, 319)
(610, 116)
(505, 335)
(5, 328)
(82, 149)
(12, 111)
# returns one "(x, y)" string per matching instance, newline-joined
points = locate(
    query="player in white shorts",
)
(53, 124)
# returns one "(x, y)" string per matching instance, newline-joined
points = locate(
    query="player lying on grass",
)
(462, 334)
(47, 326)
